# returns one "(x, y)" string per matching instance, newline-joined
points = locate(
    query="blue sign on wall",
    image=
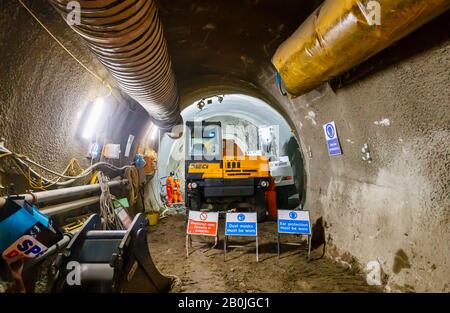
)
(334, 147)
(240, 224)
(294, 222)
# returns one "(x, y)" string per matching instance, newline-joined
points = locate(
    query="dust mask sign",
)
(334, 147)
(240, 224)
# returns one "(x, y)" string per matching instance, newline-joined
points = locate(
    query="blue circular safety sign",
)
(293, 215)
(241, 217)
(330, 131)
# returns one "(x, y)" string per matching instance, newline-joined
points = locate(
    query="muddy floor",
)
(206, 271)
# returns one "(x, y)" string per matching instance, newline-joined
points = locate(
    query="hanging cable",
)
(39, 181)
(107, 213)
(104, 83)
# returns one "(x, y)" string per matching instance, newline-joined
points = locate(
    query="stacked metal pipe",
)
(127, 37)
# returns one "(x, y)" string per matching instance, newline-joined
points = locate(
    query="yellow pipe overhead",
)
(341, 34)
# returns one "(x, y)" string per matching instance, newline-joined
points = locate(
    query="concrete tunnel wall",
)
(44, 92)
(394, 210)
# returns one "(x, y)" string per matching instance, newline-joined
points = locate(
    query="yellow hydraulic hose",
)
(343, 33)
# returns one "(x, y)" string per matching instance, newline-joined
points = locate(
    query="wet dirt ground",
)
(206, 271)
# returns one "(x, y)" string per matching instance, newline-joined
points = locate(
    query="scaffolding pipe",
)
(66, 207)
(63, 193)
(341, 34)
(127, 37)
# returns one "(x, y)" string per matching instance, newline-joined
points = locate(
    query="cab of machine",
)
(203, 141)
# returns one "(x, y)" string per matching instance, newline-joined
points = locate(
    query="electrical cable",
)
(26, 159)
(104, 83)
(132, 175)
(90, 169)
(5, 154)
(106, 205)
(84, 174)
(20, 161)
(32, 184)
(279, 84)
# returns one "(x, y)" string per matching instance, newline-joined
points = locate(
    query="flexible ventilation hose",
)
(127, 37)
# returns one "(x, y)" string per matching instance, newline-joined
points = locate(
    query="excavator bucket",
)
(109, 261)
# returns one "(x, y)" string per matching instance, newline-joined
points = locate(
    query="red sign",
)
(202, 223)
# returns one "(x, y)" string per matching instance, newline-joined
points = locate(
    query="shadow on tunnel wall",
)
(292, 150)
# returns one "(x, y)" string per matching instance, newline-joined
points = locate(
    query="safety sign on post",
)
(202, 224)
(296, 223)
(334, 147)
(241, 224)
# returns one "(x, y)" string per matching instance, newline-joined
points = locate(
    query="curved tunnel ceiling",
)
(239, 106)
(228, 39)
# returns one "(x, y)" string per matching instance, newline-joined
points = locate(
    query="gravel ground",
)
(206, 271)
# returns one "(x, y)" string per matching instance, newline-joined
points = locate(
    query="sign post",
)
(334, 147)
(202, 224)
(296, 223)
(241, 224)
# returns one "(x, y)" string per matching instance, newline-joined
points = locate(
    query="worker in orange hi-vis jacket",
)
(177, 197)
(271, 199)
(170, 184)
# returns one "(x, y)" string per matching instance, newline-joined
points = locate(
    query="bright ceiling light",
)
(94, 118)
(154, 132)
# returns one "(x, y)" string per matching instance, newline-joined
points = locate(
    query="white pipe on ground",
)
(56, 209)
(63, 193)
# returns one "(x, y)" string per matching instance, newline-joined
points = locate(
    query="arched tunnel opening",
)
(249, 126)
(224, 146)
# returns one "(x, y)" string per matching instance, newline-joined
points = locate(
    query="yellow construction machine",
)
(219, 176)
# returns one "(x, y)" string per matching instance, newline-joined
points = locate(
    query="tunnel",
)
(94, 109)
